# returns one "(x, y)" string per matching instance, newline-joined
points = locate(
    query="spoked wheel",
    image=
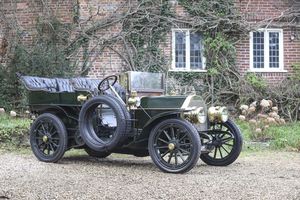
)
(174, 146)
(96, 154)
(226, 144)
(48, 138)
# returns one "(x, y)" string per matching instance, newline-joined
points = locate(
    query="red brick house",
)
(269, 51)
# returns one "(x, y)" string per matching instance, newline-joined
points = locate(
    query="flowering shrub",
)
(261, 115)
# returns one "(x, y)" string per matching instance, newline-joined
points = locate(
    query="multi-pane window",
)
(266, 50)
(258, 50)
(180, 49)
(187, 50)
(274, 49)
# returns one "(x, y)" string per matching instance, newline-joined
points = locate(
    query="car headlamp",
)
(218, 114)
(196, 116)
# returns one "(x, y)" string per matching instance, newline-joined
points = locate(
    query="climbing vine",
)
(71, 48)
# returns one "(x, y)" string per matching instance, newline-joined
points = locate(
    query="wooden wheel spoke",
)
(48, 149)
(215, 153)
(55, 145)
(220, 152)
(162, 147)
(185, 144)
(184, 151)
(40, 132)
(225, 143)
(45, 147)
(170, 157)
(43, 127)
(176, 159)
(51, 147)
(227, 139)
(165, 153)
(172, 132)
(183, 137)
(225, 149)
(166, 134)
(54, 133)
(40, 145)
(181, 156)
(164, 141)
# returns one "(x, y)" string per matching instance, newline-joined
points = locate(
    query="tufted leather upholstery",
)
(37, 83)
(64, 85)
(51, 84)
(83, 84)
(67, 85)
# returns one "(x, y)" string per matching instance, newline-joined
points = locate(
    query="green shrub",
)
(255, 81)
(14, 131)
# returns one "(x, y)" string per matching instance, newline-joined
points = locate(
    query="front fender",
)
(161, 116)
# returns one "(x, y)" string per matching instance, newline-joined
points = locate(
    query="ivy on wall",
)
(68, 48)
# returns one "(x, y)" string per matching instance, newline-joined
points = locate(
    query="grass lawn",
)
(285, 137)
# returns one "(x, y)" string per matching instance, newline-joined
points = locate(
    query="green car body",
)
(141, 115)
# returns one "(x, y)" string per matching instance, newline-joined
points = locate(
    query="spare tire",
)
(102, 123)
(126, 115)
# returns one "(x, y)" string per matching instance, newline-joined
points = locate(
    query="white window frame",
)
(266, 52)
(187, 68)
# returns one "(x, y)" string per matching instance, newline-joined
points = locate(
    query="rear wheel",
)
(48, 138)
(226, 144)
(174, 146)
(96, 154)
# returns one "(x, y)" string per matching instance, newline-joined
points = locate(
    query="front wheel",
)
(226, 144)
(174, 146)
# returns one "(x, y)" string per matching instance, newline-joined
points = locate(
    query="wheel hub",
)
(45, 138)
(171, 146)
(217, 142)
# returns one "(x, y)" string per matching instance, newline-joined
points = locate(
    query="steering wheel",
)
(107, 82)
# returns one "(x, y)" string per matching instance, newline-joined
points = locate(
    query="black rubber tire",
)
(126, 115)
(236, 149)
(62, 134)
(89, 136)
(195, 151)
(96, 154)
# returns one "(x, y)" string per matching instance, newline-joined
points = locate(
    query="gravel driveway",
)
(266, 175)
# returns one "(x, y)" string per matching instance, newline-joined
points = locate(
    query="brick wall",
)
(21, 17)
(27, 12)
(107, 61)
(255, 12)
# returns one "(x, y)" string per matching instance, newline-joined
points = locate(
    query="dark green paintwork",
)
(62, 98)
(154, 107)
(163, 102)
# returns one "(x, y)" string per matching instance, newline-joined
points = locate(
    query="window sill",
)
(268, 70)
(185, 70)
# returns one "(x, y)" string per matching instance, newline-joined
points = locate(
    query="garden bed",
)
(14, 131)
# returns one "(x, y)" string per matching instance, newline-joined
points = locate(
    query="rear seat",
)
(84, 84)
(67, 85)
(37, 83)
(64, 85)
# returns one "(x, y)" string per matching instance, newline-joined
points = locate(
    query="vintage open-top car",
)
(132, 117)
